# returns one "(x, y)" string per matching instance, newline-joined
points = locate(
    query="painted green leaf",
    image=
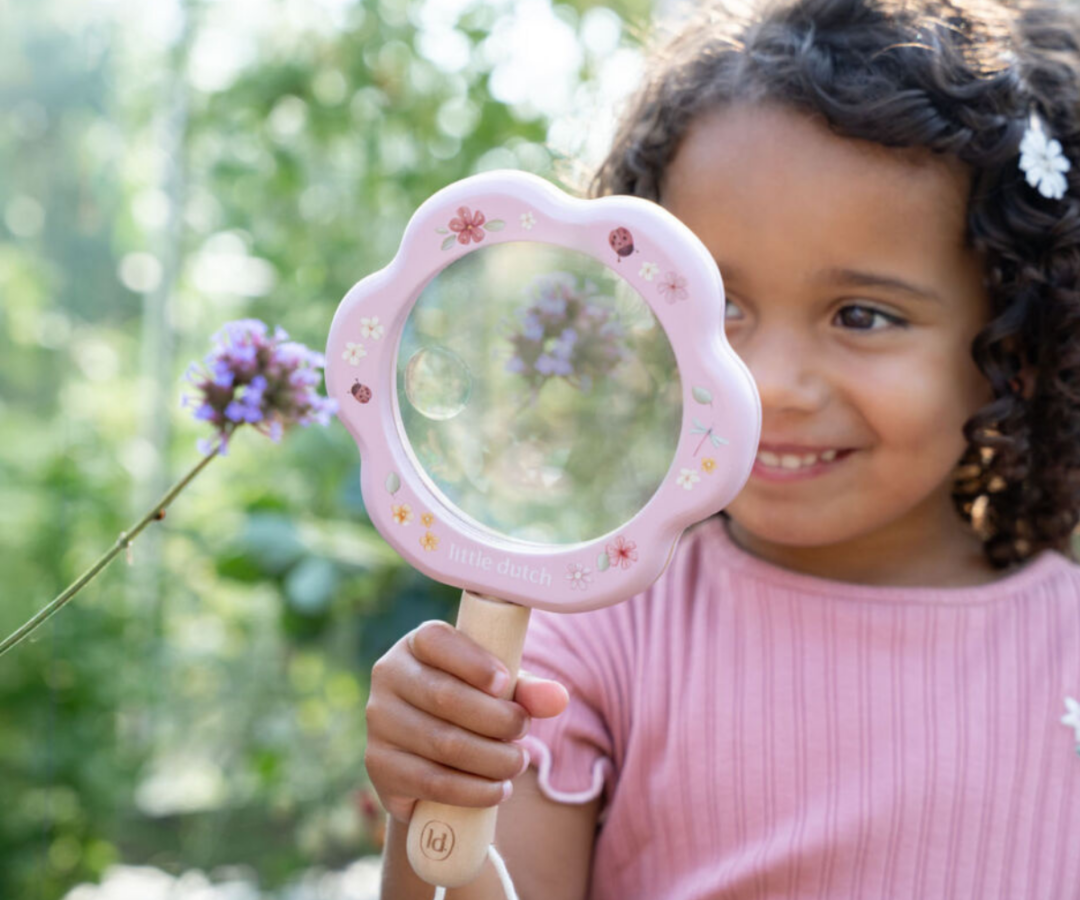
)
(702, 395)
(602, 562)
(393, 483)
(449, 242)
(495, 225)
(442, 230)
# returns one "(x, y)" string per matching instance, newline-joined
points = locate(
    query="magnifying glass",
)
(543, 399)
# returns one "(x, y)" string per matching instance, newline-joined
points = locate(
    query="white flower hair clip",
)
(1043, 161)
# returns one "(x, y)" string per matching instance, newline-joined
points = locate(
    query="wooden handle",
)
(447, 845)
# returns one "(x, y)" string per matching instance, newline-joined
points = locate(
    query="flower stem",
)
(157, 511)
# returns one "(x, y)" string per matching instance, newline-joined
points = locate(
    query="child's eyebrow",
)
(859, 278)
(852, 277)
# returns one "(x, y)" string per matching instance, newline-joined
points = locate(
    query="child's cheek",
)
(919, 402)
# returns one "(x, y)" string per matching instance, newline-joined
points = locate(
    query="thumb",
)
(541, 697)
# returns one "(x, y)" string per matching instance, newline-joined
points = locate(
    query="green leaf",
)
(495, 225)
(271, 542)
(442, 230)
(603, 562)
(239, 567)
(310, 585)
(393, 483)
(702, 395)
(449, 242)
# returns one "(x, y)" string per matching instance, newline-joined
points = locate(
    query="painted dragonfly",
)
(715, 439)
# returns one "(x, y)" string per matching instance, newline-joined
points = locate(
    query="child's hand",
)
(437, 728)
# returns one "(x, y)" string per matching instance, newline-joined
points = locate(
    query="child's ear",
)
(1024, 383)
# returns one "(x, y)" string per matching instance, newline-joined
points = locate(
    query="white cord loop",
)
(500, 870)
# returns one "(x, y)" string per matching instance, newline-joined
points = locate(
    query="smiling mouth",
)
(790, 462)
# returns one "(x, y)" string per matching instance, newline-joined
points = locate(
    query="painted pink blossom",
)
(468, 226)
(673, 287)
(622, 552)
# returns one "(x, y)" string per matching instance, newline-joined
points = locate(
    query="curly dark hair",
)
(960, 78)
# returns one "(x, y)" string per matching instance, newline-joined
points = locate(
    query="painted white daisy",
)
(354, 353)
(1043, 162)
(1072, 717)
(687, 479)
(370, 328)
(527, 220)
(579, 576)
(649, 271)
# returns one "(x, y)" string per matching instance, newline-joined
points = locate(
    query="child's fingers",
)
(442, 646)
(423, 735)
(402, 775)
(447, 698)
(541, 697)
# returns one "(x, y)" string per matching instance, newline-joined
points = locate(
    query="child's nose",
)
(787, 369)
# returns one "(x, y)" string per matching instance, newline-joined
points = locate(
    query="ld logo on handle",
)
(437, 840)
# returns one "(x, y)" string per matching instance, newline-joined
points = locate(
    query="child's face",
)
(865, 385)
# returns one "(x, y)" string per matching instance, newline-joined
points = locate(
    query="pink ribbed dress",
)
(757, 733)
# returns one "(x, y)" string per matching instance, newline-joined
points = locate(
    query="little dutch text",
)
(505, 566)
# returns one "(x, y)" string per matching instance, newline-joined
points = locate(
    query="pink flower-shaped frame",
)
(671, 269)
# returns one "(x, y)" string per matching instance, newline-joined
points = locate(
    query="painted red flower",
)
(622, 552)
(468, 226)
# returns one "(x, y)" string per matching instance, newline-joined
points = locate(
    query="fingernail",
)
(508, 789)
(500, 681)
(525, 764)
(524, 729)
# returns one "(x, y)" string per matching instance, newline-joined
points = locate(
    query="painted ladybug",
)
(622, 242)
(361, 392)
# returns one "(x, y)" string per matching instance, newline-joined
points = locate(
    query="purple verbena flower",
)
(223, 375)
(552, 365)
(564, 346)
(553, 306)
(565, 333)
(534, 329)
(253, 377)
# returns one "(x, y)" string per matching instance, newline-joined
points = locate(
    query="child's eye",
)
(866, 318)
(731, 311)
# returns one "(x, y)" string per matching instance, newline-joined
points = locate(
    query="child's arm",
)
(547, 846)
(438, 730)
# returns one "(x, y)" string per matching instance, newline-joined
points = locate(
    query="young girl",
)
(861, 681)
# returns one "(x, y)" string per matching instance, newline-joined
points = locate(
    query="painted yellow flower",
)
(402, 513)
(428, 519)
(429, 541)
(708, 464)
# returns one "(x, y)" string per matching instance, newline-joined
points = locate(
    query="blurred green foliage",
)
(203, 705)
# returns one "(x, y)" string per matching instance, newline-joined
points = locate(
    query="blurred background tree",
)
(167, 167)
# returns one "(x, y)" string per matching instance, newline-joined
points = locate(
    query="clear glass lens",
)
(538, 393)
